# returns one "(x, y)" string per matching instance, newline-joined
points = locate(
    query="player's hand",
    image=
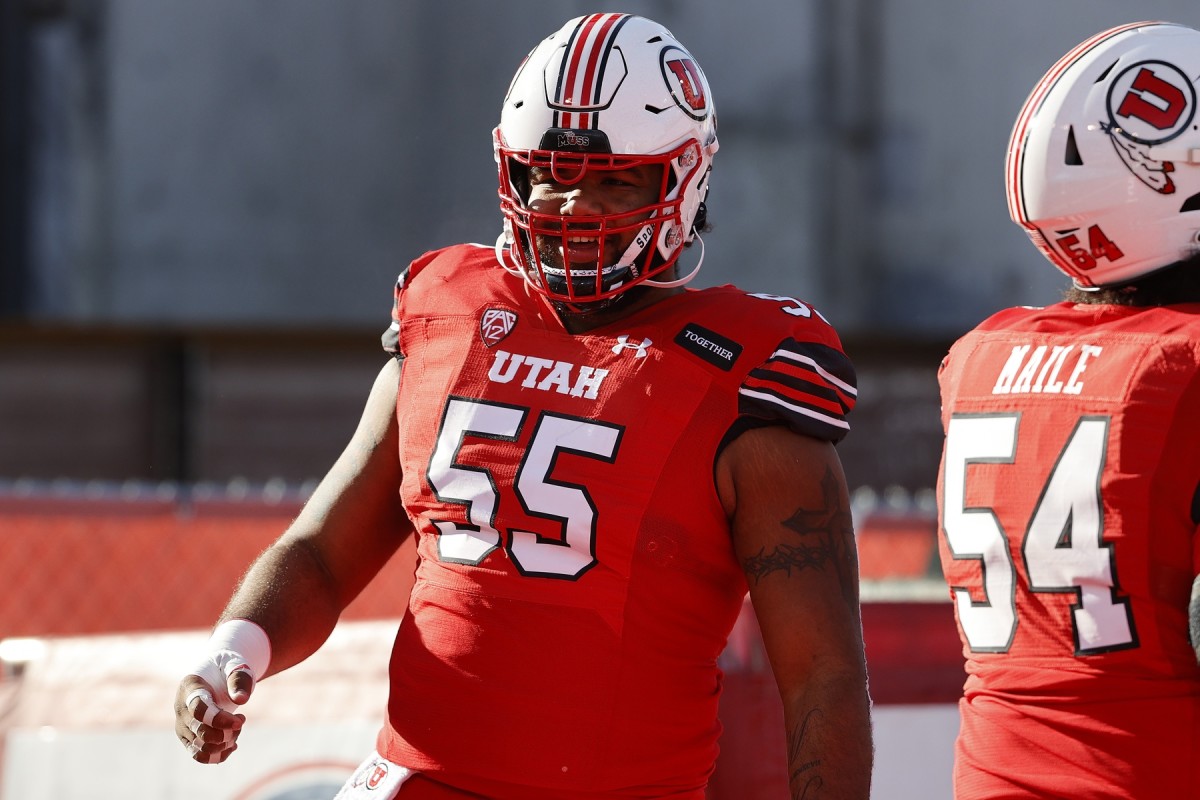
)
(206, 718)
(206, 704)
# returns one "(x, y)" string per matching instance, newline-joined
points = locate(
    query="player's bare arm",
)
(790, 513)
(347, 530)
(296, 590)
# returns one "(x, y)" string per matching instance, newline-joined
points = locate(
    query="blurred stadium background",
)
(204, 207)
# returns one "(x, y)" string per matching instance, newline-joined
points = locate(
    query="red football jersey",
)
(1068, 517)
(576, 579)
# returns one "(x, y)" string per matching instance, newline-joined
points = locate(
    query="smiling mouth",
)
(579, 256)
(581, 248)
(574, 249)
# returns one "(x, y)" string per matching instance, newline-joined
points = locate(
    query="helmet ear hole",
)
(1072, 157)
(1191, 204)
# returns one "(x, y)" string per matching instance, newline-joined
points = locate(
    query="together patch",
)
(712, 347)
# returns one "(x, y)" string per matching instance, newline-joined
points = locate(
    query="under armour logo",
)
(623, 343)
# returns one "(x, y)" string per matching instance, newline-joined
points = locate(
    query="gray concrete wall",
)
(272, 162)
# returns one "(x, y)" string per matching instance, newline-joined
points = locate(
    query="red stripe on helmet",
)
(591, 39)
(591, 79)
(577, 50)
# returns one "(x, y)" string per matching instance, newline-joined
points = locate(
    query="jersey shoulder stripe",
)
(809, 386)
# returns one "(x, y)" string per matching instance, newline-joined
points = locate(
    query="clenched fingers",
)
(208, 732)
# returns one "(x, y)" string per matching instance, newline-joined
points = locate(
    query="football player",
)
(597, 463)
(1068, 493)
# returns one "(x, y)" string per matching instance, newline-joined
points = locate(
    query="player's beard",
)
(596, 307)
(552, 255)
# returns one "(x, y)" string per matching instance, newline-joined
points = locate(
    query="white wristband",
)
(235, 645)
(246, 645)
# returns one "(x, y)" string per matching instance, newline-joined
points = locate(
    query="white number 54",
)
(1063, 550)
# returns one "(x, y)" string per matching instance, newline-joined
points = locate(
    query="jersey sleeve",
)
(806, 384)
(391, 336)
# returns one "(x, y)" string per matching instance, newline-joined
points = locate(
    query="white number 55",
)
(568, 505)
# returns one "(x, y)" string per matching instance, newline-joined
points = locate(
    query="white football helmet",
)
(1103, 167)
(605, 92)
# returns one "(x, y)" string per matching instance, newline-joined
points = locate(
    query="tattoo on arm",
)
(803, 777)
(824, 540)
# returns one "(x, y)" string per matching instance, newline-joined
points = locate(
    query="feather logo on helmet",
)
(1137, 159)
(1149, 103)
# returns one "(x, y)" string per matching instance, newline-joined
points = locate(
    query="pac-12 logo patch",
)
(495, 325)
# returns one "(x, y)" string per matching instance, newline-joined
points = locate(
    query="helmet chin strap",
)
(633, 251)
(503, 243)
(685, 278)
